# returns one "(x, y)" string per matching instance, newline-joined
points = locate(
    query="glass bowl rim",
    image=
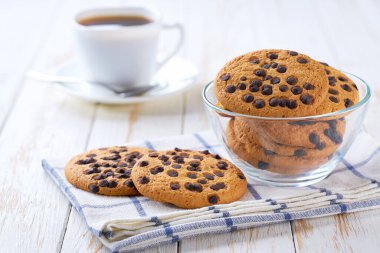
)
(361, 103)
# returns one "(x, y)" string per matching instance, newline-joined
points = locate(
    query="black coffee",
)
(115, 20)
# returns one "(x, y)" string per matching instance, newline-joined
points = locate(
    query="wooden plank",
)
(115, 125)
(356, 232)
(22, 35)
(349, 232)
(216, 43)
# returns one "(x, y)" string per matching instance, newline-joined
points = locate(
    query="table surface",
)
(38, 121)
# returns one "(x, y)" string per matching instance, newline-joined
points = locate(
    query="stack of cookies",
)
(275, 84)
(185, 178)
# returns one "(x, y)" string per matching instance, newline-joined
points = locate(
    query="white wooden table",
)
(37, 121)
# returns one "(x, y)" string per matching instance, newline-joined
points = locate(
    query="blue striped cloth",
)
(126, 224)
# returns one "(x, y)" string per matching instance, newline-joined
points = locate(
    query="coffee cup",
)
(118, 47)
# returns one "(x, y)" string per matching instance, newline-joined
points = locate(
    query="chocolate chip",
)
(192, 175)
(176, 166)
(314, 138)
(90, 171)
(333, 135)
(267, 90)
(275, 80)
(255, 61)
(291, 80)
(259, 103)
(256, 82)
(91, 155)
(163, 158)
(93, 188)
(103, 183)
(274, 65)
(219, 173)
(274, 101)
(225, 77)
(216, 156)
(177, 149)
(194, 187)
(208, 176)
(268, 77)
(120, 170)
(332, 80)
(205, 152)
(348, 102)
(260, 72)
(262, 165)
(222, 165)
(242, 86)
(281, 69)
(175, 186)
(334, 99)
(307, 99)
(218, 186)
(328, 72)
(166, 163)
(230, 89)
(171, 153)
(283, 102)
(320, 145)
(265, 66)
(108, 174)
(144, 163)
(202, 181)
(293, 53)
(198, 157)
(179, 160)
(243, 78)
(97, 177)
(120, 176)
(112, 184)
(248, 98)
(129, 183)
(144, 180)
(324, 63)
(128, 173)
(283, 88)
(194, 163)
(308, 86)
(241, 176)
(272, 56)
(355, 86)
(191, 168)
(343, 79)
(112, 157)
(172, 173)
(301, 60)
(333, 91)
(213, 199)
(296, 90)
(299, 152)
(86, 161)
(291, 104)
(332, 124)
(122, 164)
(254, 88)
(156, 170)
(346, 87)
(269, 152)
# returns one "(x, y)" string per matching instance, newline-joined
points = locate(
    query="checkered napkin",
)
(125, 224)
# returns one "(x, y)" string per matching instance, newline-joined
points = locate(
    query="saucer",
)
(177, 75)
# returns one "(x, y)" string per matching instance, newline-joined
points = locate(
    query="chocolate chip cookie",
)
(250, 131)
(342, 91)
(188, 179)
(272, 83)
(252, 153)
(105, 171)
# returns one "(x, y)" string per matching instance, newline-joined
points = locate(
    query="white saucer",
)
(177, 75)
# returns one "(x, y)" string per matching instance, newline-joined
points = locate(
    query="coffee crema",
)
(119, 20)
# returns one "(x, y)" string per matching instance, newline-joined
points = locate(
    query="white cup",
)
(122, 56)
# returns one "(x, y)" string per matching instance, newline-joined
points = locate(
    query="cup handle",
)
(180, 30)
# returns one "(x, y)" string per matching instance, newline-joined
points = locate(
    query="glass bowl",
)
(296, 151)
